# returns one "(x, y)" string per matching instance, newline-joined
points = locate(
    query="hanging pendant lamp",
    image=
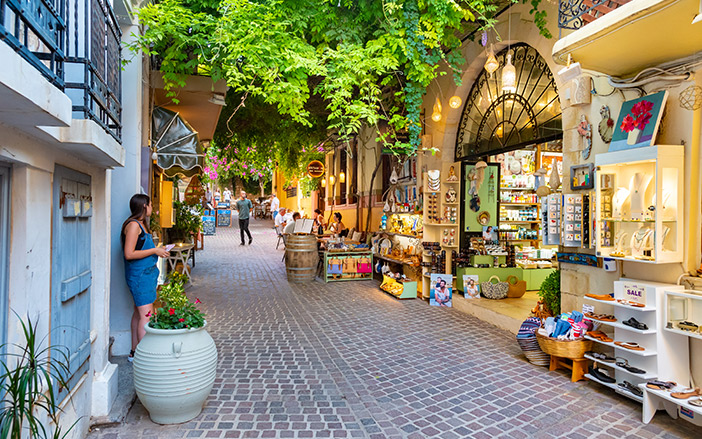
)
(436, 113)
(491, 64)
(455, 102)
(509, 76)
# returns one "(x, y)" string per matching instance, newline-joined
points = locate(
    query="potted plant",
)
(188, 222)
(30, 378)
(176, 361)
(550, 293)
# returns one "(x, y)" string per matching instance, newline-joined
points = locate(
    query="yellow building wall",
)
(297, 203)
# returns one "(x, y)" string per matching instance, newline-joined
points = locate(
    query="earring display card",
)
(551, 219)
(573, 222)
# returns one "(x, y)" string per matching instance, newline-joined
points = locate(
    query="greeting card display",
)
(638, 122)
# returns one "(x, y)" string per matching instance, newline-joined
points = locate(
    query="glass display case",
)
(640, 204)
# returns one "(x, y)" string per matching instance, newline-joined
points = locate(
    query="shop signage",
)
(224, 217)
(315, 169)
(208, 225)
(635, 293)
(579, 259)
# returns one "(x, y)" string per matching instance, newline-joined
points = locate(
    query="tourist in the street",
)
(227, 195)
(140, 257)
(337, 227)
(290, 225)
(275, 205)
(244, 206)
(208, 198)
(319, 221)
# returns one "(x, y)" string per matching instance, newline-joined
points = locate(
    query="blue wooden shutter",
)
(70, 269)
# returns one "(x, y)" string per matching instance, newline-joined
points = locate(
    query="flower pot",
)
(634, 136)
(174, 370)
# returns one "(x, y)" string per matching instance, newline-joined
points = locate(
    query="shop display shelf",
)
(518, 222)
(389, 259)
(441, 224)
(449, 246)
(402, 234)
(685, 333)
(450, 204)
(646, 376)
(616, 388)
(518, 204)
(646, 353)
(620, 305)
(666, 396)
(623, 326)
(452, 182)
(505, 188)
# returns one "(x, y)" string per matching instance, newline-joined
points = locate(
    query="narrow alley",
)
(346, 360)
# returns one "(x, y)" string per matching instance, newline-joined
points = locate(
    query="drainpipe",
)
(693, 249)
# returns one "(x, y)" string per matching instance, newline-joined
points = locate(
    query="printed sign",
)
(208, 225)
(315, 169)
(635, 293)
(224, 217)
(588, 309)
(441, 290)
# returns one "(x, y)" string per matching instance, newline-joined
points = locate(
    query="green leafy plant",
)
(176, 310)
(30, 377)
(187, 221)
(550, 293)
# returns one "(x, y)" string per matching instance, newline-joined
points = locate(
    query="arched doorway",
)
(494, 121)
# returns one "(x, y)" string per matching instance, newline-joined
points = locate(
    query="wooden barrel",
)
(301, 257)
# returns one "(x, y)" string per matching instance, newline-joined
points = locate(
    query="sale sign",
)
(635, 293)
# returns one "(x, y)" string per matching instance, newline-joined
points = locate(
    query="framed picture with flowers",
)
(638, 122)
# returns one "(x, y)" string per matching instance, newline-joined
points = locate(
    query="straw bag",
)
(517, 288)
(496, 290)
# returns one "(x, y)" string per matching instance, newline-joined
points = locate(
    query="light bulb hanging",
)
(331, 180)
(491, 64)
(509, 76)
(455, 102)
(342, 177)
(324, 182)
(436, 113)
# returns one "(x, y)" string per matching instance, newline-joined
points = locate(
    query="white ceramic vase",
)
(174, 370)
(634, 136)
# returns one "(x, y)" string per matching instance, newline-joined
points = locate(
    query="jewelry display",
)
(641, 242)
(619, 245)
(449, 238)
(432, 207)
(434, 180)
(637, 189)
(618, 200)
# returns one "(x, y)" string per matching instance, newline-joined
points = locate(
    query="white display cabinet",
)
(639, 201)
(683, 310)
(665, 355)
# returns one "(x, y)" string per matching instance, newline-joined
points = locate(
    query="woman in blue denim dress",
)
(140, 257)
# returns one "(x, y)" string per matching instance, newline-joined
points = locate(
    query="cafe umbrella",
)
(176, 145)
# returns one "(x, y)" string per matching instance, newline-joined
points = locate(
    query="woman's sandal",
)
(629, 345)
(687, 393)
(661, 385)
(696, 402)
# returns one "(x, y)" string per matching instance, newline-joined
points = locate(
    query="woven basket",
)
(572, 349)
(538, 358)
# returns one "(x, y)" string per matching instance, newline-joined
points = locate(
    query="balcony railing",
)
(574, 14)
(75, 44)
(36, 29)
(93, 64)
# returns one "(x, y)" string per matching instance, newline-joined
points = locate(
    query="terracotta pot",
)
(174, 370)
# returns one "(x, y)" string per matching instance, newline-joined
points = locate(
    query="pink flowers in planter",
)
(639, 117)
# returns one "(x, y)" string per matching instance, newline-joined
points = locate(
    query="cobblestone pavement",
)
(344, 360)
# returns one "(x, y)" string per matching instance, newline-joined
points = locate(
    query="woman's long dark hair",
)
(138, 206)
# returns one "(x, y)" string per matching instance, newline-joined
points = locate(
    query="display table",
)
(180, 253)
(332, 273)
(533, 276)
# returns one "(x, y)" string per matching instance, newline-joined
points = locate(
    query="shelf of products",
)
(683, 311)
(638, 204)
(616, 388)
(666, 355)
(399, 289)
(350, 265)
(655, 400)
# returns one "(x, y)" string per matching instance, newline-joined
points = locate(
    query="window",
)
(352, 174)
(4, 248)
(343, 168)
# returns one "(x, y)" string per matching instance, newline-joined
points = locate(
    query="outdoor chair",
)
(281, 237)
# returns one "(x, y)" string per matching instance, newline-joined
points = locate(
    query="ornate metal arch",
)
(493, 121)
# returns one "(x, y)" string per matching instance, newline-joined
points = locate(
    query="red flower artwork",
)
(171, 311)
(641, 112)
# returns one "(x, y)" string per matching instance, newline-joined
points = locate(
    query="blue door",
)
(70, 270)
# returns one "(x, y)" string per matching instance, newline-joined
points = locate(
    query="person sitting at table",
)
(337, 227)
(318, 221)
(290, 225)
(281, 219)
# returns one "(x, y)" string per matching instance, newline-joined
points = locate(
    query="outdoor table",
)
(181, 253)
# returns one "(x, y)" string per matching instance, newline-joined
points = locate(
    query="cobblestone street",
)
(344, 360)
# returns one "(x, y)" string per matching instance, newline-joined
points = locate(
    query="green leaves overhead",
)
(366, 61)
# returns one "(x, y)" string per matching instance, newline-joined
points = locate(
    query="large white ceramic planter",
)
(174, 370)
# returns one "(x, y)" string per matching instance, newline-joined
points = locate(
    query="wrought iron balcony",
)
(574, 14)
(36, 29)
(93, 64)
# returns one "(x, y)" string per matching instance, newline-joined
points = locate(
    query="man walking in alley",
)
(275, 205)
(243, 205)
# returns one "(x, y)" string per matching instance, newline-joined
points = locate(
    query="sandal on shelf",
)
(629, 345)
(635, 324)
(599, 335)
(626, 385)
(661, 385)
(601, 357)
(696, 402)
(601, 317)
(630, 303)
(600, 375)
(624, 364)
(687, 393)
(604, 297)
